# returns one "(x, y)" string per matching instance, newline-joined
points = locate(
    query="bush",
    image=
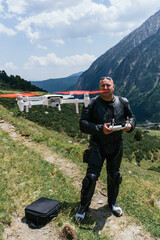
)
(139, 156)
(138, 135)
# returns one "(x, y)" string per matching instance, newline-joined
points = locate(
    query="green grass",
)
(25, 177)
(139, 193)
(154, 133)
(155, 169)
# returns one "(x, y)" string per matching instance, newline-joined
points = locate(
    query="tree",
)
(138, 135)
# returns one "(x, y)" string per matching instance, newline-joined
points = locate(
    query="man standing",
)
(104, 112)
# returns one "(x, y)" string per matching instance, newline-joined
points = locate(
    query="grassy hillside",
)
(22, 168)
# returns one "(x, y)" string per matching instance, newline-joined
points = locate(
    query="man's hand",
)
(106, 129)
(128, 128)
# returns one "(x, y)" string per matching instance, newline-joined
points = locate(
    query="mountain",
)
(134, 65)
(109, 61)
(58, 84)
(138, 78)
(16, 83)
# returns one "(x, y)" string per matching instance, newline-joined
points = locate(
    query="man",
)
(103, 112)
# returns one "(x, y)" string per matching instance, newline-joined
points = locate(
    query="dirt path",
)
(117, 228)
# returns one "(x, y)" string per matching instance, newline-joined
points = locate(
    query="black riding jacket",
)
(99, 112)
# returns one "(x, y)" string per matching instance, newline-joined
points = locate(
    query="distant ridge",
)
(58, 84)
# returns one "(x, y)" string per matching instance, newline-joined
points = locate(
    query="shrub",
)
(138, 135)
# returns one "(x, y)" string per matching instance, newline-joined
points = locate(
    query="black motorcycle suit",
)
(104, 146)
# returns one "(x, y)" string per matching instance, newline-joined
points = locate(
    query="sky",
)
(43, 39)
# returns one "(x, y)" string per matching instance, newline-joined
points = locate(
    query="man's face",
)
(108, 86)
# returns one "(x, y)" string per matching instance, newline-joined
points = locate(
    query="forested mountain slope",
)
(16, 82)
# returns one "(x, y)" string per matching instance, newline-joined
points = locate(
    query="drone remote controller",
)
(118, 127)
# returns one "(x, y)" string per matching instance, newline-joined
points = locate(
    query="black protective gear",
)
(104, 146)
(114, 179)
(88, 187)
(99, 112)
(119, 179)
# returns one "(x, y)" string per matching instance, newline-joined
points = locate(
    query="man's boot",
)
(115, 208)
(88, 187)
(114, 181)
(81, 213)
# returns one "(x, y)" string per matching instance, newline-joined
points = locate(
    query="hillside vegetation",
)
(22, 168)
(138, 145)
(16, 82)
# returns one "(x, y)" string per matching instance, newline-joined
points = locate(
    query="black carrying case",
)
(41, 211)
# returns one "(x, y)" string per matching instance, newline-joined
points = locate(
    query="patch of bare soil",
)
(105, 222)
(19, 230)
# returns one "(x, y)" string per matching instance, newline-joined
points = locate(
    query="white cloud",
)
(89, 40)
(35, 7)
(6, 30)
(33, 35)
(18, 7)
(74, 19)
(52, 59)
(132, 11)
(10, 66)
(1, 5)
(41, 47)
(58, 42)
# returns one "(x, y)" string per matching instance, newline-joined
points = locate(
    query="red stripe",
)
(79, 92)
(19, 94)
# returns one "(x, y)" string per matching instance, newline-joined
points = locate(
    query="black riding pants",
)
(96, 157)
